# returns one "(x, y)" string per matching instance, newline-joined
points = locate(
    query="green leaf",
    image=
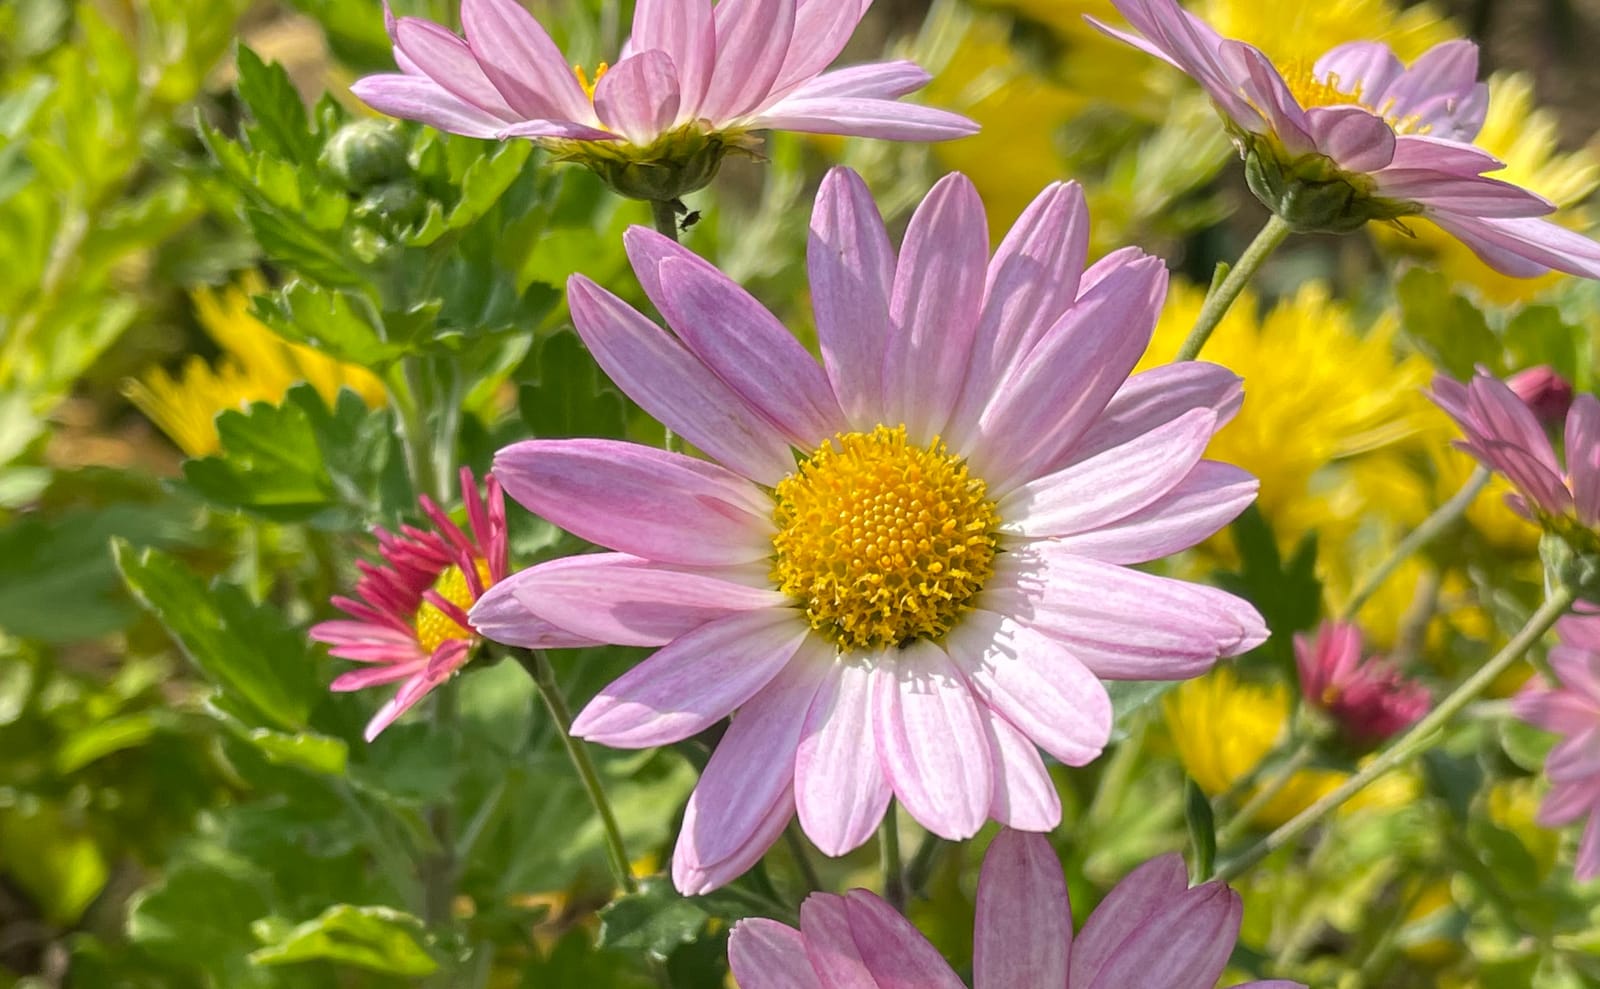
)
(1286, 592)
(377, 938)
(199, 916)
(280, 127)
(262, 665)
(1202, 831)
(1540, 335)
(654, 919)
(49, 854)
(305, 750)
(330, 320)
(1447, 327)
(1129, 697)
(571, 395)
(481, 186)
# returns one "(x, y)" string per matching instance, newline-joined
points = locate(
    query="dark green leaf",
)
(279, 126)
(654, 919)
(377, 938)
(200, 915)
(330, 320)
(1286, 592)
(1202, 831)
(571, 395)
(1444, 325)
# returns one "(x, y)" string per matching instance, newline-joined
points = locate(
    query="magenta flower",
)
(1546, 394)
(1358, 136)
(1571, 708)
(909, 565)
(1503, 433)
(1151, 930)
(409, 613)
(692, 81)
(1368, 698)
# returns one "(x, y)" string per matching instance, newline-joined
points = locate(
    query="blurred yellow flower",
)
(1525, 138)
(256, 366)
(1223, 728)
(1289, 32)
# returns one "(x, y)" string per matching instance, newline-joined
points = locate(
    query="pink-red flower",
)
(1571, 708)
(690, 71)
(1367, 697)
(1358, 136)
(1152, 930)
(1546, 394)
(408, 617)
(908, 565)
(1504, 435)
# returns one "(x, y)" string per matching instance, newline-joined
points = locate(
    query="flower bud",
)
(1545, 392)
(365, 153)
(395, 205)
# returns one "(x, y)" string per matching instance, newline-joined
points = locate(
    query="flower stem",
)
(1264, 794)
(1221, 298)
(894, 877)
(664, 212)
(438, 868)
(1432, 527)
(544, 677)
(1413, 742)
(802, 858)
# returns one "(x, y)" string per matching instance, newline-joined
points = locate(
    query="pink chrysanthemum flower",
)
(408, 618)
(692, 82)
(1504, 435)
(1571, 708)
(909, 565)
(1358, 136)
(1367, 697)
(1546, 394)
(1151, 930)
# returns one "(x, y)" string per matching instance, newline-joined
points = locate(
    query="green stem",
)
(802, 858)
(1432, 527)
(438, 869)
(1413, 742)
(544, 677)
(922, 862)
(664, 213)
(1240, 822)
(894, 877)
(1219, 301)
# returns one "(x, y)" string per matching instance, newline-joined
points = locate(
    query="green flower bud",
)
(396, 205)
(1571, 560)
(366, 153)
(1310, 193)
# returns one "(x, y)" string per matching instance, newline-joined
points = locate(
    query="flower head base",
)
(917, 555)
(410, 612)
(1368, 699)
(1571, 708)
(1152, 929)
(884, 542)
(1360, 136)
(693, 83)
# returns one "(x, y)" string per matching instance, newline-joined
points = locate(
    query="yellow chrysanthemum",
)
(1523, 136)
(1291, 32)
(1223, 727)
(256, 366)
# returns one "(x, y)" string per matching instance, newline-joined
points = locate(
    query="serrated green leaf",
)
(279, 125)
(655, 919)
(1445, 326)
(380, 939)
(200, 915)
(247, 649)
(481, 186)
(1286, 592)
(571, 395)
(330, 320)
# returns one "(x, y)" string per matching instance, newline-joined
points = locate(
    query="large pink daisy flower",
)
(1358, 136)
(1571, 708)
(692, 80)
(408, 618)
(1151, 930)
(910, 564)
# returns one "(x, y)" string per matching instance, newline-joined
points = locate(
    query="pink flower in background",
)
(909, 565)
(1547, 394)
(408, 618)
(1152, 930)
(1368, 698)
(744, 65)
(1358, 136)
(1571, 708)
(1503, 433)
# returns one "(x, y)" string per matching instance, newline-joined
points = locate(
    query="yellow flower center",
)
(1310, 90)
(583, 78)
(884, 541)
(434, 627)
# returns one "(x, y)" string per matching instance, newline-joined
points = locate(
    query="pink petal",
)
(1556, 710)
(1583, 457)
(1588, 864)
(639, 96)
(1523, 247)
(441, 666)
(1266, 91)
(1434, 86)
(894, 952)
(1111, 485)
(751, 771)
(1188, 43)
(851, 266)
(830, 946)
(1184, 944)
(1576, 759)
(1152, 398)
(932, 742)
(863, 117)
(446, 59)
(840, 789)
(1211, 496)
(874, 81)
(821, 30)
(696, 879)
(1123, 913)
(374, 676)
(1356, 139)
(523, 63)
(1566, 803)
(1368, 64)
(1035, 683)
(750, 350)
(626, 601)
(1512, 435)
(500, 617)
(938, 289)
(753, 38)
(1023, 931)
(1024, 794)
(1474, 195)
(419, 98)
(685, 31)
(765, 954)
(637, 499)
(674, 386)
(1049, 401)
(1440, 155)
